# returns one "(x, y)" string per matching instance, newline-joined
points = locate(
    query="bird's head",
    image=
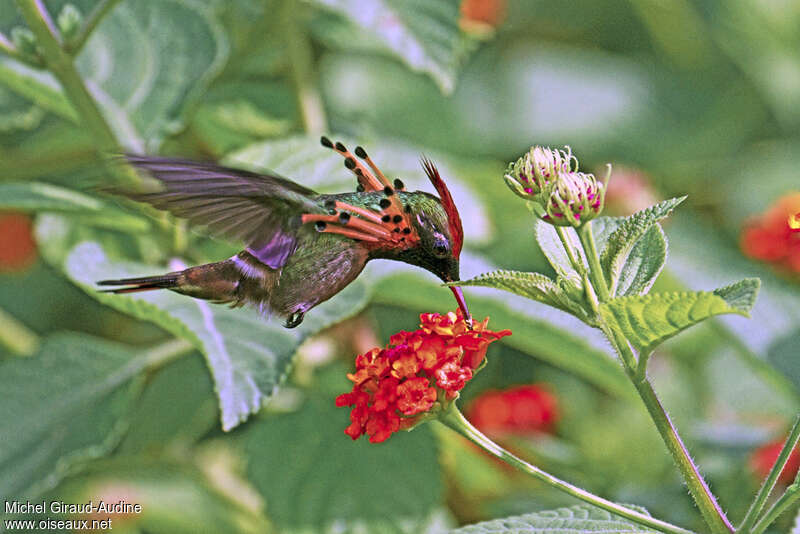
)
(438, 225)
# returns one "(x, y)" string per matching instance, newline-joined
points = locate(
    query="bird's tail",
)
(145, 283)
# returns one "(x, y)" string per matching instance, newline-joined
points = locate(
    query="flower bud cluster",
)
(551, 180)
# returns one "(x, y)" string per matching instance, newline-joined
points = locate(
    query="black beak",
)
(462, 304)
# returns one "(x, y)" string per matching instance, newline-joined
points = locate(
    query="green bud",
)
(69, 21)
(24, 41)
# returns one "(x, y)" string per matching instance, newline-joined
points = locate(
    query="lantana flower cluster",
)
(518, 410)
(416, 375)
(550, 179)
(774, 236)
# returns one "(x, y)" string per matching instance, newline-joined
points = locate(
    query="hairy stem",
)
(97, 14)
(772, 478)
(595, 269)
(698, 488)
(453, 418)
(783, 503)
(61, 65)
(16, 337)
(636, 370)
(301, 65)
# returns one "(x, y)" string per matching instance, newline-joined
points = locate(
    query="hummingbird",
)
(302, 248)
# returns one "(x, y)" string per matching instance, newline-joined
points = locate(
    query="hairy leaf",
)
(333, 483)
(581, 518)
(648, 320)
(533, 286)
(553, 249)
(248, 355)
(64, 405)
(621, 241)
(644, 263)
(424, 35)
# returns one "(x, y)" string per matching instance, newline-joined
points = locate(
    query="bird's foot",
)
(294, 320)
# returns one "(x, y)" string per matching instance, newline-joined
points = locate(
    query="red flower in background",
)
(774, 236)
(394, 388)
(489, 12)
(517, 410)
(763, 458)
(629, 190)
(17, 247)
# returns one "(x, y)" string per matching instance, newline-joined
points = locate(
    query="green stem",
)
(595, 269)
(772, 478)
(566, 242)
(8, 48)
(61, 65)
(301, 64)
(706, 502)
(97, 14)
(641, 366)
(16, 337)
(453, 418)
(781, 505)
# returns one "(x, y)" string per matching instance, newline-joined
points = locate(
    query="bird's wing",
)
(260, 210)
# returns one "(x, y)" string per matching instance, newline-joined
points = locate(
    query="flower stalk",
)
(455, 420)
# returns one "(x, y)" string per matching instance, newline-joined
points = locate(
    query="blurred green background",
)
(683, 97)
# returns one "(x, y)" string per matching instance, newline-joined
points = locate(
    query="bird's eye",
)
(440, 249)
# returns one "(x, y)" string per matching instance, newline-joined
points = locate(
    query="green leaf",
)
(147, 61)
(248, 355)
(648, 320)
(177, 407)
(35, 196)
(644, 263)
(615, 254)
(63, 406)
(549, 242)
(145, 64)
(581, 518)
(700, 256)
(334, 484)
(533, 286)
(424, 35)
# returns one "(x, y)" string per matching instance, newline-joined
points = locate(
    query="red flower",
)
(763, 458)
(516, 410)
(396, 387)
(484, 12)
(773, 237)
(17, 246)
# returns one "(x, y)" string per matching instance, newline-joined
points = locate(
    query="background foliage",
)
(694, 97)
